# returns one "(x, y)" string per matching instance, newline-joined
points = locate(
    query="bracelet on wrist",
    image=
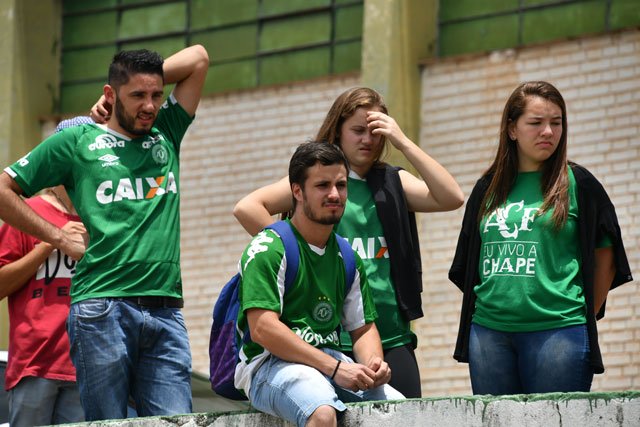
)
(335, 371)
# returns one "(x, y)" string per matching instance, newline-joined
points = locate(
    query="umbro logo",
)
(109, 160)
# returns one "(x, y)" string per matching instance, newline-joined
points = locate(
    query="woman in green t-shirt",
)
(535, 226)
(379, 219)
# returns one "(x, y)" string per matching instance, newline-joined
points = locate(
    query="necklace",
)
(59, 199)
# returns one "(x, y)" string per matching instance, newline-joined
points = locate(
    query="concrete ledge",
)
(548, 410)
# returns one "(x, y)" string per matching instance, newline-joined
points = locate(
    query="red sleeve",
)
(14, 244)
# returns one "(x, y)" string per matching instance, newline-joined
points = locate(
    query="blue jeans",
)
(36, 401)
(555, 360)
(293, 391)
(120, 349)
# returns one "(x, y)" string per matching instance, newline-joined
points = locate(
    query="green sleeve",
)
(260, 267)
(48, 165)
(370, 313)
(604, 242)
(173, 120)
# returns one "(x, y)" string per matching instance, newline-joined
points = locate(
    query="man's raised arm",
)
(188, 69)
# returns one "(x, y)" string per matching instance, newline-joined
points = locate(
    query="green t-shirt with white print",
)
(530, 277)
(314, 305)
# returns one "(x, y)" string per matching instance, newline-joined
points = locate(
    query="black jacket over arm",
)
(401, 234)
(596, 218)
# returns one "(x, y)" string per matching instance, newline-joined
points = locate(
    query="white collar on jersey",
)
(354, 175)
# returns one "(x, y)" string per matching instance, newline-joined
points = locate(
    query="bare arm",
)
(15, 275)
(255, 210)
(188, 69)
(439, 191)
(605, 271)
(268, 331)
(367, 349)
(15, 212)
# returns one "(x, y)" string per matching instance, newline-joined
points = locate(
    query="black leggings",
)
(405, 375)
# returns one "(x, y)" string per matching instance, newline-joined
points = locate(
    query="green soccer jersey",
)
(529, 271)
(313, 307)
(361, 226)
(127, 193)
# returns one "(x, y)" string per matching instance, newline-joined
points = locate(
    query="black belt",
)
(155, 302)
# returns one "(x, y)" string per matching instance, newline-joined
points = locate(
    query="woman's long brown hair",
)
(344, 107)
(504, 170)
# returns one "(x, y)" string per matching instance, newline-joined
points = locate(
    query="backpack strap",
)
(291, 251)
(349, 259)
(292, 254)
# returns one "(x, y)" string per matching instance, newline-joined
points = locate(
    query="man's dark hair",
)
(310, 153)
(129, 62)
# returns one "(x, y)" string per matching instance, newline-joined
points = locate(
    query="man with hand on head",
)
(125, 327)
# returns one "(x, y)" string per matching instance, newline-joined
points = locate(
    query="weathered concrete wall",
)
(548, 410)
(29, 59)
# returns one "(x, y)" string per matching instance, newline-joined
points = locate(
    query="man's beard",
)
(329, 219)
(127, 122)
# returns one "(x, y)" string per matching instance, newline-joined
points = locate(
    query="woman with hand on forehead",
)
(540, 248)
(379, 219)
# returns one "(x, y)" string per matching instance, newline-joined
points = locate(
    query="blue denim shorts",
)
(293, 391)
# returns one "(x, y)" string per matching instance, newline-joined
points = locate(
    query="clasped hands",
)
(356, 376)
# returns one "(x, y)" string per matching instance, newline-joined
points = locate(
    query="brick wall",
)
(462, 101)
(241, 141)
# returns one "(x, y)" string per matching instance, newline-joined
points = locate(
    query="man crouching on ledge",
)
(291, 366)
